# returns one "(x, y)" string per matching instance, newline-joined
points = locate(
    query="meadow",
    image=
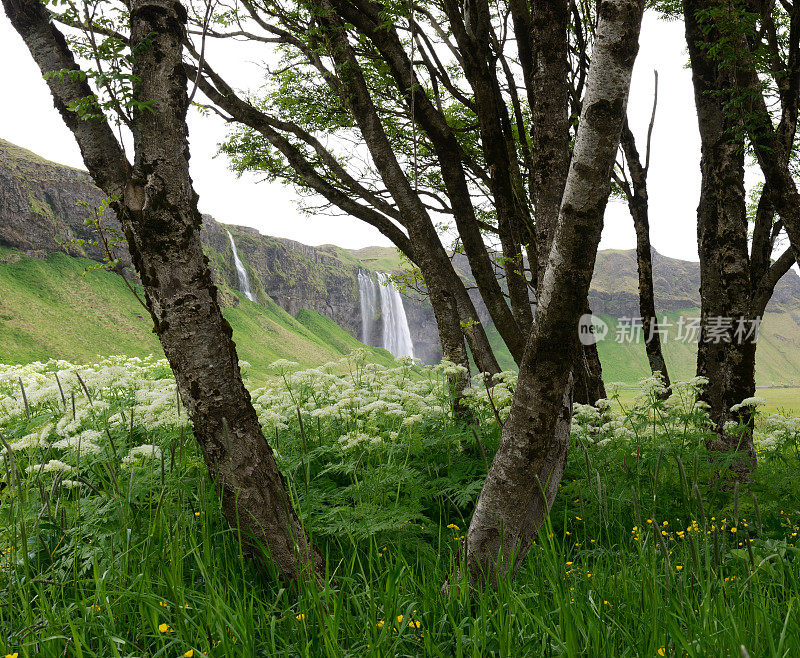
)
(112, 542)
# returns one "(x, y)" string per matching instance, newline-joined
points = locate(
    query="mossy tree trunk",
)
(157, 206)
(524, 476)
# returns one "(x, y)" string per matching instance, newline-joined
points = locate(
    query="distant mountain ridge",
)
(40, 215)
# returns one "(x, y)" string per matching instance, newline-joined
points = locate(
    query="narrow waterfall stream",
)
(244, 280)
(383, 316)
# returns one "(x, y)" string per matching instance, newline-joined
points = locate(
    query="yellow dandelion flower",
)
(164, 628)
(399, 618)
(452, 526)
(12, 655)
(380, 623)
(569, 563)
(733, 529)
(189, 654)
(197, 513)
(300, 617)
(662, 651)
(678, 567)
(414, 624)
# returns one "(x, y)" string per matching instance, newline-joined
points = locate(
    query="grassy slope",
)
(52, 309)
(777, 359)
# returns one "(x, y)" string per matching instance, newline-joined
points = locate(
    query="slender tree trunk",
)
(474, 331)
(368, 18)
(588, 386)
(157, 207)
(548, 93)
(638, 204)
(529, 463)
(725, 287)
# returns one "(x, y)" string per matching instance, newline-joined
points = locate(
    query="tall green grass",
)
(646, 551)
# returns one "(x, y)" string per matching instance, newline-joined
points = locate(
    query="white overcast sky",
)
(27, 118)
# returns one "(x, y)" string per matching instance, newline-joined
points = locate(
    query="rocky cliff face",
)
(40, 213)
(39, 204)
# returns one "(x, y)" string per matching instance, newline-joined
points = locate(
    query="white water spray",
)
(244, 280)
(395, 333)
(370, 310)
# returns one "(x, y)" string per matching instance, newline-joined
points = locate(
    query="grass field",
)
(778, 400)
(119, 548)
(55, 308)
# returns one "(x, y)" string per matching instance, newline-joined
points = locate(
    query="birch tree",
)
(739, 271)
(524, 476)
(156, 204)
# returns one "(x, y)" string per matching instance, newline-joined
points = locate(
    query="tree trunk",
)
(588, 386)
(157, 208)
(548, 94)
(638, 204)
(725, 288)
(529, 463)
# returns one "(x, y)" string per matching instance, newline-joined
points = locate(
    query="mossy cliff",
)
(40, 214)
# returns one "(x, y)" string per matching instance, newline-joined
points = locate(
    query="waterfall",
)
(370, 311)
(395, 335)
(244, 280)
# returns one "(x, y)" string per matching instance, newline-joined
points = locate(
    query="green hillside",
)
(54, 308)
(777, 357)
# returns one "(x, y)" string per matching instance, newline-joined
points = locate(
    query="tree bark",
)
(725, 286)
(157, 207)
(529, 463)
(638, 205)
(588, 386)
(547, 83)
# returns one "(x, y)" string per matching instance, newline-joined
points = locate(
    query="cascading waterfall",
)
(395, 335)
(370, 310)
(244, 280)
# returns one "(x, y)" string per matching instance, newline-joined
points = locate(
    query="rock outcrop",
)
(44, 206)
(41, 212)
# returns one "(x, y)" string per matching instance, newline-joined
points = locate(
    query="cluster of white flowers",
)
(357, 439)
(777, 432)
(491, 395)
(71, 410)
(139, 453)
(365, 405)
(749, 403)
(53, 466)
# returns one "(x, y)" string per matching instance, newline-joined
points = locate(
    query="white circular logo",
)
(591, 329)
